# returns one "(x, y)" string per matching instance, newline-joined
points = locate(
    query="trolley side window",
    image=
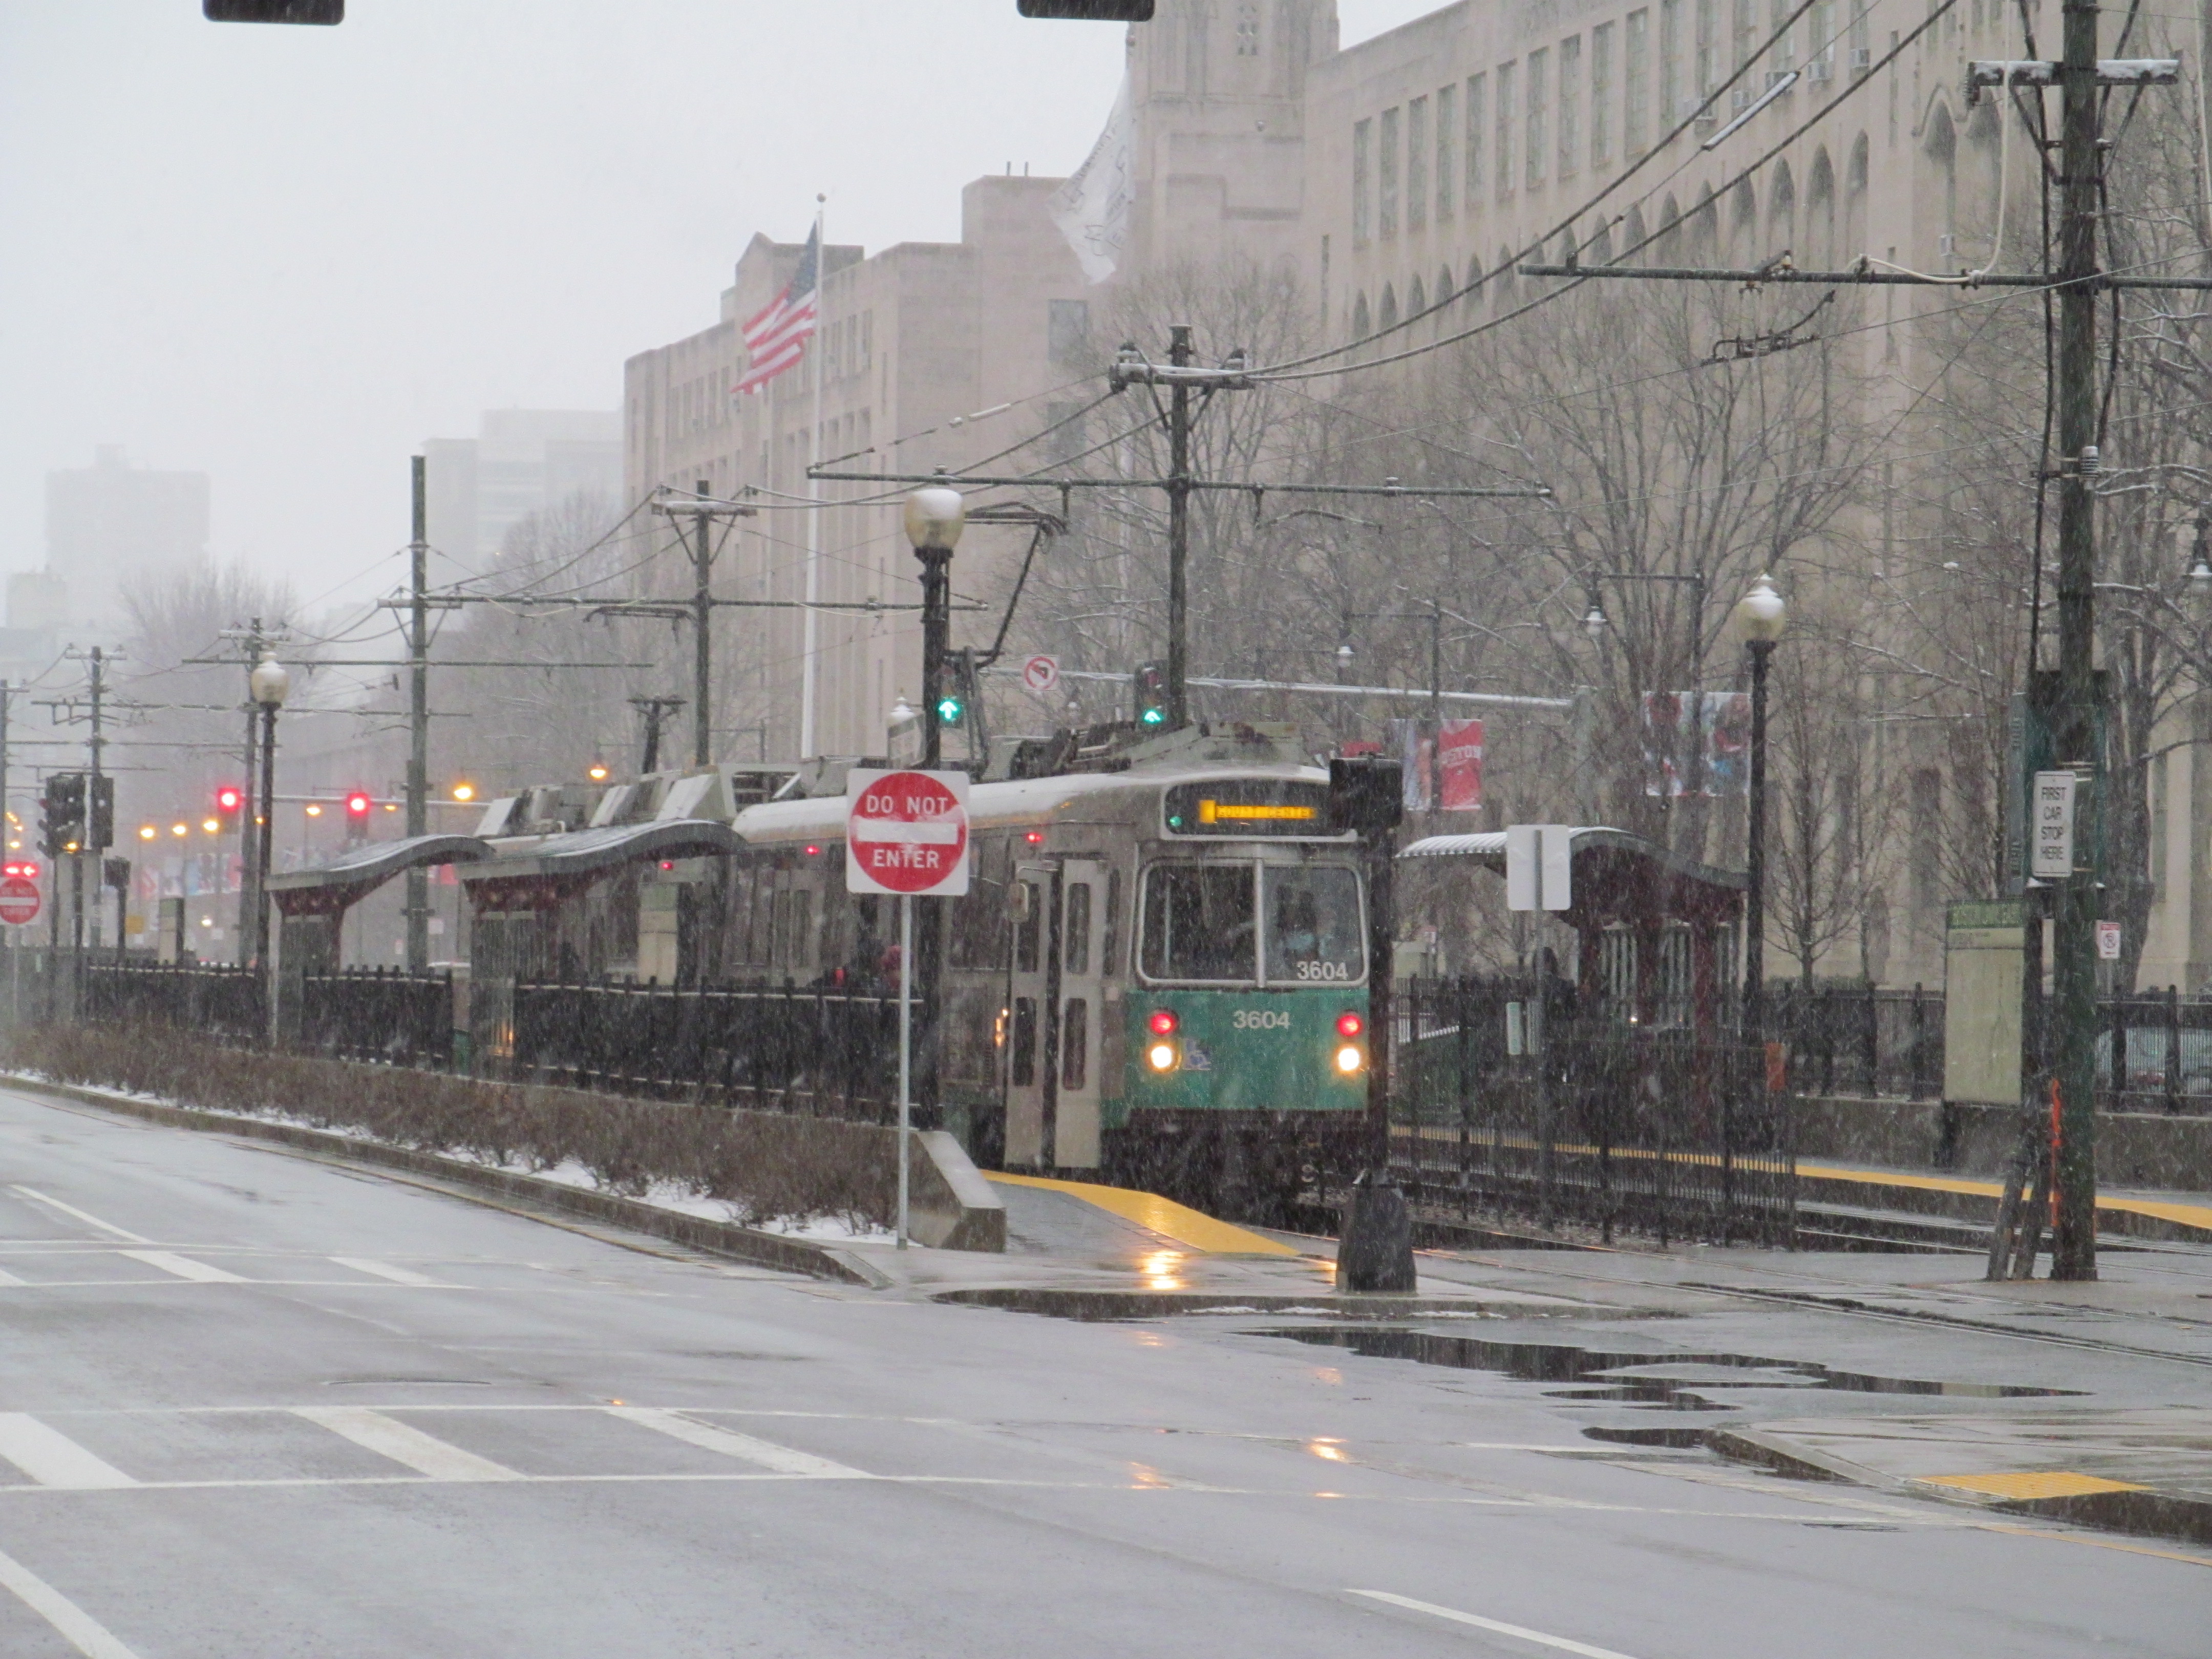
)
(1199, 922)
(1110, 951)
(1075, 938)
(1313, 927)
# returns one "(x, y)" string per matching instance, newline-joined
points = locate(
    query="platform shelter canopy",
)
(335, 887)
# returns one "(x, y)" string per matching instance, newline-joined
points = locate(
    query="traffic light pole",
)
(1178, 531)
(418, 712)
(2074, 1001)
(249, 890)
(926, 965)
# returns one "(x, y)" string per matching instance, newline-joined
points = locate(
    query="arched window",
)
(1417, 301)
(1444, 288)
(1670, 234)
(1855, 203)
(1473, 290)
(1704, 228)
(1781, 215)
(1942, 146)
(1388, 318)
(1502, 285)
(1632, 250)
(1600, 249)
(1821, 213)
(1743, 224)
(1362, 324)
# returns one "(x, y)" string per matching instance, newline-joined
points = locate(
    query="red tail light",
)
(1163, 1022)
(1349, 1024)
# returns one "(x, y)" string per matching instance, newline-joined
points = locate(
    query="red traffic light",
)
(229, 798)
(358, 803)
(27, 868)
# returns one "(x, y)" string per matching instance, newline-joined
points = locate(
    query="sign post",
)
(905, 835)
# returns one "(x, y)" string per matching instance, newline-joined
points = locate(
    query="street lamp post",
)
(271, 683)
(935, 515)
(1761, 615)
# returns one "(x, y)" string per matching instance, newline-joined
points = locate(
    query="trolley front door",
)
(1032, 999)
(1078, 1073)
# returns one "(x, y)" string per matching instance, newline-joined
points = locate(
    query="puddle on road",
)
(1664, 1381)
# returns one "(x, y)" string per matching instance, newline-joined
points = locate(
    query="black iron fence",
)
(1860, 1041)
(827, 1054)
(385, 1016)
(1505, 1102)
(225, 1004)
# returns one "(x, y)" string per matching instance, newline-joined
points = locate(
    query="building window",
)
(1247, 28)
(1670, 64)
(1067, 330)
(1539, 108)
(1417, 164)
(1635, 68)
(1601, 94)
(1747, 32)
(1785, 49)
(1362, 209)
(1447, 141)
(1709, 45)
(1386, 178)
(1476, 126)
(1571, 68)
(1823, 52)
(1862, 40)
(1504, 131)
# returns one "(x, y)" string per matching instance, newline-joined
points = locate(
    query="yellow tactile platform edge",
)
(1163, 1216)
(2187, 1215)
(2032, 1483)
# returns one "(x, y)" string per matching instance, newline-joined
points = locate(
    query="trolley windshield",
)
(1221, 924)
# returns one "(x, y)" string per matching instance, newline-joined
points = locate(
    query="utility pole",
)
(2074, 964)
(256, 642)
(655, 710)
(418, 714)
(702, 546)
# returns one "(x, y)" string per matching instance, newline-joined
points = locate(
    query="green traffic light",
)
(1154, 716)
(949, 710)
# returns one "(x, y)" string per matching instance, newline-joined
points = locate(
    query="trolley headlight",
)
(1162, 1056)
(1350, 1058)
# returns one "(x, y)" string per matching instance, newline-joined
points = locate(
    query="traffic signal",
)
(61, 814)
(27, 868)
(1367, 793)
(273, 12)
(950, 709)
(102, 816)
(229, 806)
(1151, 682)
(1096, 11)
(358, 804)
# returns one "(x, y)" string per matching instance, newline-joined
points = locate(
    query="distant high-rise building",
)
(521, 461)
(112, 524)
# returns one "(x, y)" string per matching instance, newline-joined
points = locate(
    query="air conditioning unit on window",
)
(1774, 76)
(1820, 68)
(1739, 101)
(1947, 247)
(1862, 59)
(1690, 105)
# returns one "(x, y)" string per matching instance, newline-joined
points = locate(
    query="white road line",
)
(78, 1628)
(403, 1443)
(89, 1220)
(767, 1453)
(385, 1270)
(183, 1267)
(52, 1458)
(1563, 1643)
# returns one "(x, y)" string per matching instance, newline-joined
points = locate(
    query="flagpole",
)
(811, 625)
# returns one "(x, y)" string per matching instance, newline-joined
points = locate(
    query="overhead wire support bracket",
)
(1388, 487)
(1864, 273)
(2039, 72)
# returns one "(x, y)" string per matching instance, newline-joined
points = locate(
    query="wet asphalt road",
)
(252, 1405)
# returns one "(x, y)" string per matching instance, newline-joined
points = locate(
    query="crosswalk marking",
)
(383, 1270)
(77, 1628)
(52, 1459)
(183, 1267)
(72, 1210)
(403, 1443)
(767, 1455)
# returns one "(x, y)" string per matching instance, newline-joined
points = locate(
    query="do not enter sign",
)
(907, 832)
(19, 901)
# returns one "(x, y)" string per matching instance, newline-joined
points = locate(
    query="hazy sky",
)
(286, 255)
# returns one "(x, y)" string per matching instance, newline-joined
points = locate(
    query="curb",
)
(1061, 1303)
(2144, 1514)
(727, 1238)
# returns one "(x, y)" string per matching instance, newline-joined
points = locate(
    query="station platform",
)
(2179, 1216)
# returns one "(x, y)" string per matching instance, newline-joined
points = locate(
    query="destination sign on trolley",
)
(1249, 806)
(906, 833)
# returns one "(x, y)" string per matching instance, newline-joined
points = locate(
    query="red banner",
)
(1459, 752)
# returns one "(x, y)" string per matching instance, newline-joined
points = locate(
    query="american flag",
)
(776, 338)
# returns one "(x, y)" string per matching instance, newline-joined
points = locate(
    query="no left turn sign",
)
(906, 833)
(1041, 673)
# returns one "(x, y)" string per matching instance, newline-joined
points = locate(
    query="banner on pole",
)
(1459, 767)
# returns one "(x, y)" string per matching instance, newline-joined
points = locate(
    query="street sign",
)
(1041, 673)
(19, 902)
(906, 833)
(2051, 851)
(2108, 941)
(1540, 868)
